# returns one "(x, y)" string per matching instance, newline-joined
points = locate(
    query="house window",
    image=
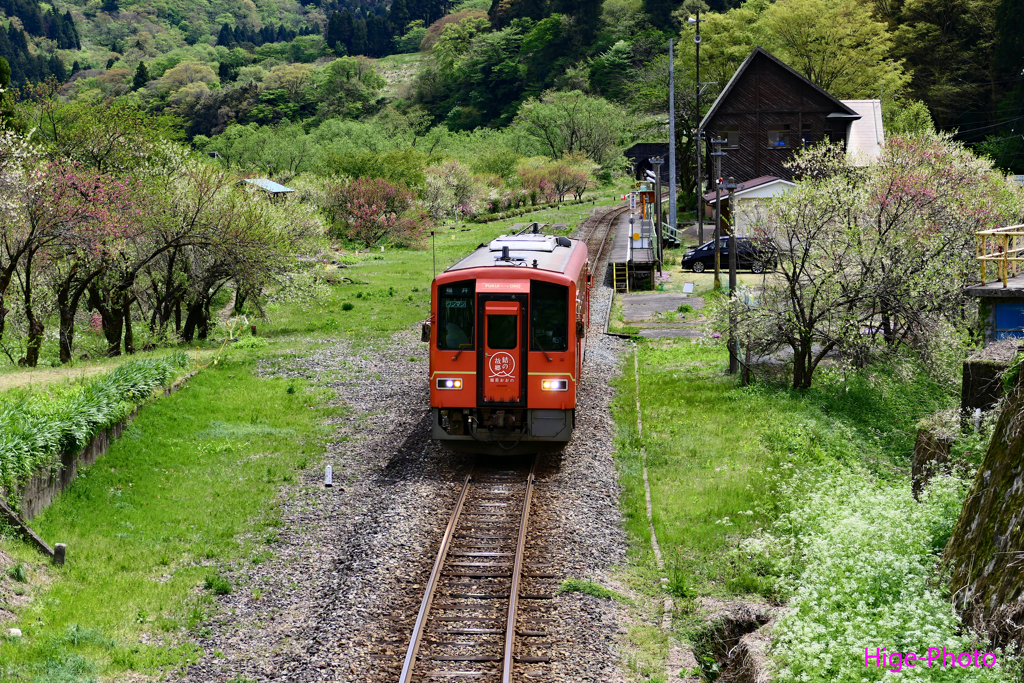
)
(731, 135)
(805, 134)
(778, 135)
(832, 135)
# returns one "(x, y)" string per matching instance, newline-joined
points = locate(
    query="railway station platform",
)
(633, 258)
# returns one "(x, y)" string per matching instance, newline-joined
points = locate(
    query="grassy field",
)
(192, 484)
(716, 453)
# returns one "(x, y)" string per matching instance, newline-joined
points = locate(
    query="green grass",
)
(704, 459)
(191, 484)
(709, 443)
(589, 588)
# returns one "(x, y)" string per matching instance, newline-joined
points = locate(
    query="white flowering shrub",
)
(859, 560)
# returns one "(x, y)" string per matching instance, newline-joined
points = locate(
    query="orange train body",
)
(507, 343)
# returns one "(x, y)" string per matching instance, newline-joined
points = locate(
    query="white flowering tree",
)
(449, 191)
(873, 257)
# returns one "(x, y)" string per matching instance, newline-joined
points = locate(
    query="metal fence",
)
(1003, 247)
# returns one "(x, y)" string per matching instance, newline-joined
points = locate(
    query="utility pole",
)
(734, 351)
(698, 136)
(673, 217)
(657, 162)
(718, 154)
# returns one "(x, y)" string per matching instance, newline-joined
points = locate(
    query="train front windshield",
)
(549, 316)
(455, 311)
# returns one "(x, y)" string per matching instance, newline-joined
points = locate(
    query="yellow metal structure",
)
(620, 275)
(1002, 246)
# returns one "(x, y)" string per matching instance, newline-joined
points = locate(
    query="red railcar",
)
(506, 330)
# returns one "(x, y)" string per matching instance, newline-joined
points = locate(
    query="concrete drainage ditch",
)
(732, 646)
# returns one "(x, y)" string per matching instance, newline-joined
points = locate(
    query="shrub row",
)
(35, 428)
(515, 213)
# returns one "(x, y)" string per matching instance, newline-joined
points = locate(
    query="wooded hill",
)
(961, 59)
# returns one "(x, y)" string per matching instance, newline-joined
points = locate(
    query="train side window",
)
(549, 316)
(455, 313)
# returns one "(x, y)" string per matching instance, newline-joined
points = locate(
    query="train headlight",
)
(554, 384)
(449, 383)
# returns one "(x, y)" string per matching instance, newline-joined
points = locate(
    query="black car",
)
(754, 254)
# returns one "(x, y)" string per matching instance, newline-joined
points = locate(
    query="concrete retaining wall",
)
(39, 491)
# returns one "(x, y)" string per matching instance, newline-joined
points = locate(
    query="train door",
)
(502, 364)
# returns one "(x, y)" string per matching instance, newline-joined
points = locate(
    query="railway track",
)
(477, 619)
(597, 238)
(488, 603)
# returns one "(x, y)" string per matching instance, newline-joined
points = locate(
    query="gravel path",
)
(338, 597)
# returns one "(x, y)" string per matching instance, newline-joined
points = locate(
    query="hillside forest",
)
(388, 119)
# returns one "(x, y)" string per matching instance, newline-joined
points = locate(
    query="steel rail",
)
(610, 216)
(517, 569)
(428, 595)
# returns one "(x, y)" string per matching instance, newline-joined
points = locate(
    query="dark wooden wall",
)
(766, 94)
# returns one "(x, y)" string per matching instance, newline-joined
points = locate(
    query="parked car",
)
(752, 253)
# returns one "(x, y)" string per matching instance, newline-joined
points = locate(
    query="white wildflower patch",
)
(860, 561)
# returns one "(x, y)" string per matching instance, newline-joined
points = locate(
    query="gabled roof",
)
(761, 182)
(840, 107)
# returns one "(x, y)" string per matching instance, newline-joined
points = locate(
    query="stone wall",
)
(984, 552)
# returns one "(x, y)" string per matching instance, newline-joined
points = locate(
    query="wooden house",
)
(766, 112)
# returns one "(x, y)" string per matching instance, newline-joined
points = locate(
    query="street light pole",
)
(656, 162)
(718, 154)
(673, 217)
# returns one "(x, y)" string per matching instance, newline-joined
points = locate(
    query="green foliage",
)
(588, 588)
(251, 343)
(347, 306)
(218, 584)
(573, 122)
(17, 572)
(410, 42)
(1012, 374)
(846, 540)
(907, 118)
(36, 428)
(405, 166)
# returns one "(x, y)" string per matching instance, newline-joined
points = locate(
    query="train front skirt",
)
(496, 431)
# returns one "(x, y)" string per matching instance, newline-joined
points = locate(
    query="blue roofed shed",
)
(276, 189)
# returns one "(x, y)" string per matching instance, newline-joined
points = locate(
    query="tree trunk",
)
(129, 336)
(204, 321)
(113, 322)
(35, 326)
(798, 365)
(5, 282)
(67, 327)
(192, 321)
(35, 341)
(177, 317)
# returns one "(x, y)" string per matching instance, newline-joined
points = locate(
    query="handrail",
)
(1004, 246)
